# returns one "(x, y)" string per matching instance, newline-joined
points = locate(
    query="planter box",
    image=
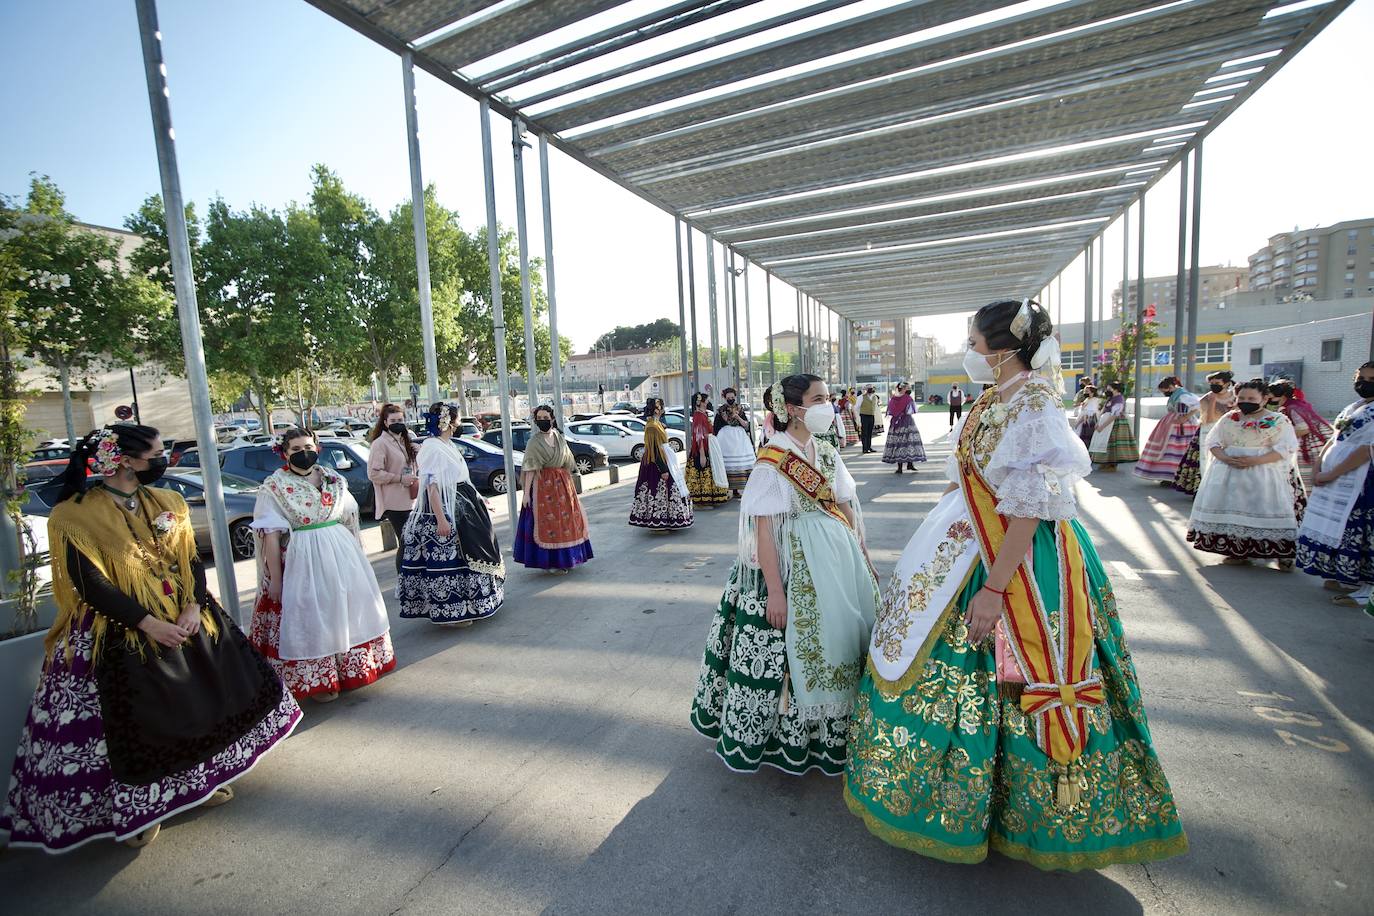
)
(21, 660)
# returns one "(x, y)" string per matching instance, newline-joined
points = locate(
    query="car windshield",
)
(232, 483)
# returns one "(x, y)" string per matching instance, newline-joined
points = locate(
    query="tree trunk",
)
(382, 387)
(462, 394)
(264, 412)
(64, 373)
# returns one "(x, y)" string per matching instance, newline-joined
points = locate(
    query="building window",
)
(1349, 293)
(1216, 351)
(1331, 350)
(1350, 276)
(1257, 356)
(1071, 359)
(1163, 356)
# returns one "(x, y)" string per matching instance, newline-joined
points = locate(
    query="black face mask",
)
(156, 468)
(544, 425)
(303, 461)
(1216, 387)
(1364, 389)
(729, 400)
(396, 428)
(1249, 406)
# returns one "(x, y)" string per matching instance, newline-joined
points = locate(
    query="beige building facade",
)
(1328, 262)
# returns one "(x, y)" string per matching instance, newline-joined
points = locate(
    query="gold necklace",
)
(154, 564)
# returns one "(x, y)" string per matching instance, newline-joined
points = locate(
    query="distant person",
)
(1113, 442)
(868, 414)
(552, 531)
(1168, 442)
(956, 404)
(736, 443)
(661, 501)
(1219, 400)
(391, 469)
(707, 479)
(904, 446)
(1311, 427)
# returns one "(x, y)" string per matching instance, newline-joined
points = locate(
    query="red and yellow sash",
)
(1058, 668)
(804, 476)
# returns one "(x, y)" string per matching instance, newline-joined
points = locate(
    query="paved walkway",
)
(542, 761)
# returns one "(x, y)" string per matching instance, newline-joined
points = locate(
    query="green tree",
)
(638, 336)
(1119, 366)
(99, 315)
(268, 298)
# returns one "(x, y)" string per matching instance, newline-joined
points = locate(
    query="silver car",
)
(240, 498)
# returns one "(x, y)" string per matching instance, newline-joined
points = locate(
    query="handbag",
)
(414, 486)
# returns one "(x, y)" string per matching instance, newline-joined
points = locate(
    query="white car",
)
(677, 438)
(617, 437)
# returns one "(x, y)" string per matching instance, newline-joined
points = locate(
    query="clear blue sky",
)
(262, 89)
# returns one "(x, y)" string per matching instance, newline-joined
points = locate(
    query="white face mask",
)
(819, 418)
(976, 366)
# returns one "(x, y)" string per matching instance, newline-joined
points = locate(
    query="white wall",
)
(1326, 384)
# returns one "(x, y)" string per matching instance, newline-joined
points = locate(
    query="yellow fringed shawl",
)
(92, 524)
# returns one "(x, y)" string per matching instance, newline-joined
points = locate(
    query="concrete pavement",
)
(542, 761)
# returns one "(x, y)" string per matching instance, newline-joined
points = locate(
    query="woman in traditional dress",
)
(904, 447)
(391, 469)
(832, 435)
(452, 572)
(1311, 427)
(1000, 708)
(151, 700)
(319, 616)
(661, 501)
(736, 445)
(1336, 540)
(850, 416)
(1251, 498)
(707, 478)
(1113, 443)
(1219, 400)
(787, 642)
(1088, 407)
(1168, 441)
(552, 534)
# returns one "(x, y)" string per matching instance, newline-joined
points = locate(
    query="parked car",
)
(50, 453)
(677, 437)
(625, 407)
(42, 470)
(240, 498)
(588, 456)
(618, 441)
(487, 464)
(357, 429)
(257, 462)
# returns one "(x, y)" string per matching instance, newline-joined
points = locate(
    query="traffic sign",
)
(124, 412)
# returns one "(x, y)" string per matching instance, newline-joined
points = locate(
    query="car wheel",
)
(637, 453)
(497, 481)
(676, 444)
(241, 540)
(584, 465)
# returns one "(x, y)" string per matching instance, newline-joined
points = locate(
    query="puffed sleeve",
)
(766, 493)
(267, 515)
(1286, 443)
(1039, 460)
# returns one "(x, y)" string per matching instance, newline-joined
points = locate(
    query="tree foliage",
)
(639, 336)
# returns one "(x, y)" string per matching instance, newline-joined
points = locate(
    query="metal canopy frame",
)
(918, 159)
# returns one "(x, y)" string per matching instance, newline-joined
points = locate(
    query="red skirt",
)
(306, 677)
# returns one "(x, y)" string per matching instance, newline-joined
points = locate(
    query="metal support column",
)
(681, 315)
(556, 364)
(800, 350)
(1088, 310)
(748, 354)
(1195, 272)
(518, 144)
(498, 317)
(692, 302)
(732, 323)
(711, 305)
(188, 311)
(772, 355)
(1180, 289)
(1100, 337)
(1139, 308)
(417, 209)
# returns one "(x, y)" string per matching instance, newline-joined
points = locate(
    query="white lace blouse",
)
(1037, 458)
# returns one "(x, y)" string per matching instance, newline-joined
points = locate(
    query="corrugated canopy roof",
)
(887, 158)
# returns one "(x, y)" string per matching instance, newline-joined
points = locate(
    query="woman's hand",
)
(190, 618)
(983, 613)
(442, 527)
(162, 632)
(776, 611)
(1321, 479)
(274, 589)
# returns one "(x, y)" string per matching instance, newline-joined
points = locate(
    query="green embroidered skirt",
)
(739, 697)
(945, 764)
